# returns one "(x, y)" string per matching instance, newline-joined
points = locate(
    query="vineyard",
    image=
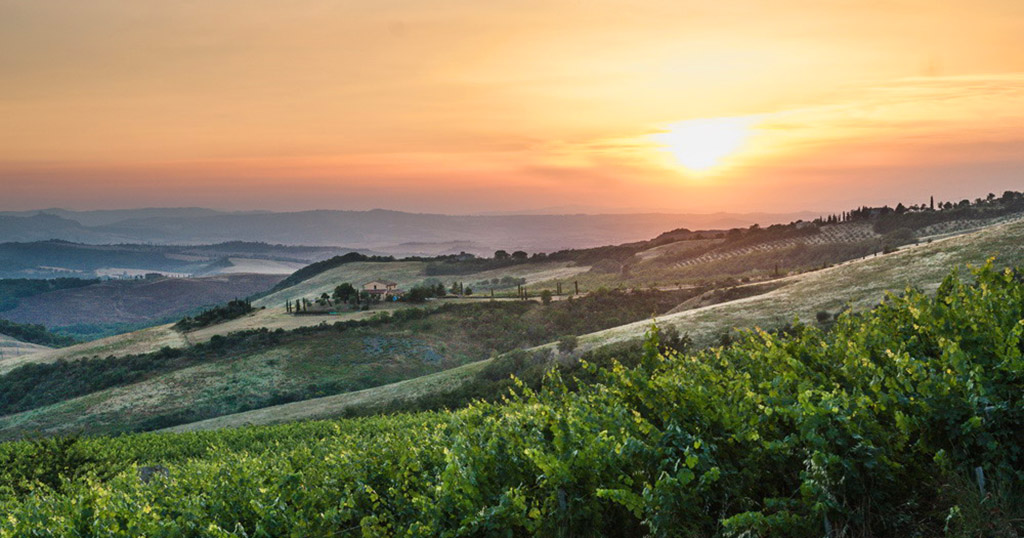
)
(906, 420)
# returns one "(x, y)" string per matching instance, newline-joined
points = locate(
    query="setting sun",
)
(699, 145)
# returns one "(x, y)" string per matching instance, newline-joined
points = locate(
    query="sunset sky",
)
(502, 105)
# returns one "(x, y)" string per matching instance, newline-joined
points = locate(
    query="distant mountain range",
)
(381, 230)
(57, 258)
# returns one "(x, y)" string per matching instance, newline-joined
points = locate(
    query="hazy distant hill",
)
(104, 217)
(56, 258)
(41, 227)
(363, 229)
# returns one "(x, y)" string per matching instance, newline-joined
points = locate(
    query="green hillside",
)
(905, 420)
(273, 316)
(312, 371)
(857, 284)
(259, 368)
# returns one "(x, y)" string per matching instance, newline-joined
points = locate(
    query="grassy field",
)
(266, 267)
(323, 362)
(154, 338)
(255, 369)
(123, 344)
(858, 284)
(11, 349)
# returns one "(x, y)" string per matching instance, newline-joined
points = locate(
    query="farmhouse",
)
(384, 288)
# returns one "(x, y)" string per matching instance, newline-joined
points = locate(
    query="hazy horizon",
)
(966, 192)
(549, 211)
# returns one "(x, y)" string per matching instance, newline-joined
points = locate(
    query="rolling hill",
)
(11, 348)
(858, 284)
(272, 315)
(109, 305)
(249, 376)
(256, 368)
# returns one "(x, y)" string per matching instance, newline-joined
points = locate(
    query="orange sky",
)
(468, 106)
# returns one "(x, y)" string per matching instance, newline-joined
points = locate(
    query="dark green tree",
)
(344, 292)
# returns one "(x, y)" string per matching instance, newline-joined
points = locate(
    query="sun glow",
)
(701, 145)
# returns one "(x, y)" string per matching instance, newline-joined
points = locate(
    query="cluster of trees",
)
(465, 263)
(501, 283)
(931, 212)
(298, 306)
(422, 292)
(517, 256)
(34, 334)
(219, 314)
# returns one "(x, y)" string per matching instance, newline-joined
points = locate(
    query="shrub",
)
(567, 344)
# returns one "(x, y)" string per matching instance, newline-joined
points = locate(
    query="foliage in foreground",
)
(874, 428)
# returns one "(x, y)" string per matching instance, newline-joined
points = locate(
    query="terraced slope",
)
(845, 233)
(858, 283)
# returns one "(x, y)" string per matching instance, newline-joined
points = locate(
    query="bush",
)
(419, 294)
(234, 309)
(34, 334)
(567, 344)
